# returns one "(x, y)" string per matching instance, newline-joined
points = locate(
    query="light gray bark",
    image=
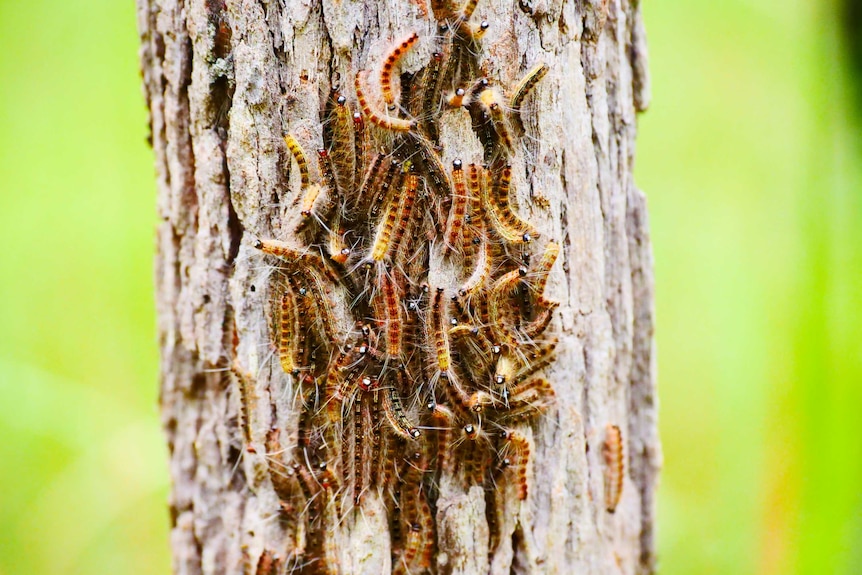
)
(219, 105)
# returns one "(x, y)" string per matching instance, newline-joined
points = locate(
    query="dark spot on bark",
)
(199, 385)
(221, 91)
(159, 42)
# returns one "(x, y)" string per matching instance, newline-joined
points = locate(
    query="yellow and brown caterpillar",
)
(419, 380)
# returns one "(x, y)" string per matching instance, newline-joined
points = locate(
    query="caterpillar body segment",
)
(442, 421)
(371, 182)
(491, 102)
(476, 350)
(435, 172)
(549, 257)
(360, 150)
(458, 212)
(540, 358)
(412, 92)
(282, 476)
(476, 455)
(301, 161)
(539, 278)
(495, 202)
(531, 330)
(465, 404)
(514, 460)
(309, 208)
(339, 251)
(467, 9)
(362, 428)
(341, 148)
(478, 279)
(612, 451)
(405, 211)
(396, 416)
(287, 334)
(308, 201)
(247, 401)
(394, 322)
(303, 314)
(295, 259)
(411, 250)
(500, 312)
(531, 392)
(389, 65)
(384, 231)
(473, 231)
(332, 189)
(386, 193)
(438, 333)
(526, 85)
(269, 563)
(442, 9)
(415, 556)
(432, 94)
(322, 313)
(380, 119)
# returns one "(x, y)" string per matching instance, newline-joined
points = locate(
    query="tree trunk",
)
(224, 81)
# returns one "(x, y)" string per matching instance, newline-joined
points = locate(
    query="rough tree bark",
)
(224, 79)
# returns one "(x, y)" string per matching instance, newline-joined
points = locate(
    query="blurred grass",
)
(83, 475)
(750, 157)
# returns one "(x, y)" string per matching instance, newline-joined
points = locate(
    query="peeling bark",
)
(224, 79)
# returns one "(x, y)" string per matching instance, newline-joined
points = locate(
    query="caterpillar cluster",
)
(403, 381)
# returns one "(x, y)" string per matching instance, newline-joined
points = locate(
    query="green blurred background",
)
(750, 157)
